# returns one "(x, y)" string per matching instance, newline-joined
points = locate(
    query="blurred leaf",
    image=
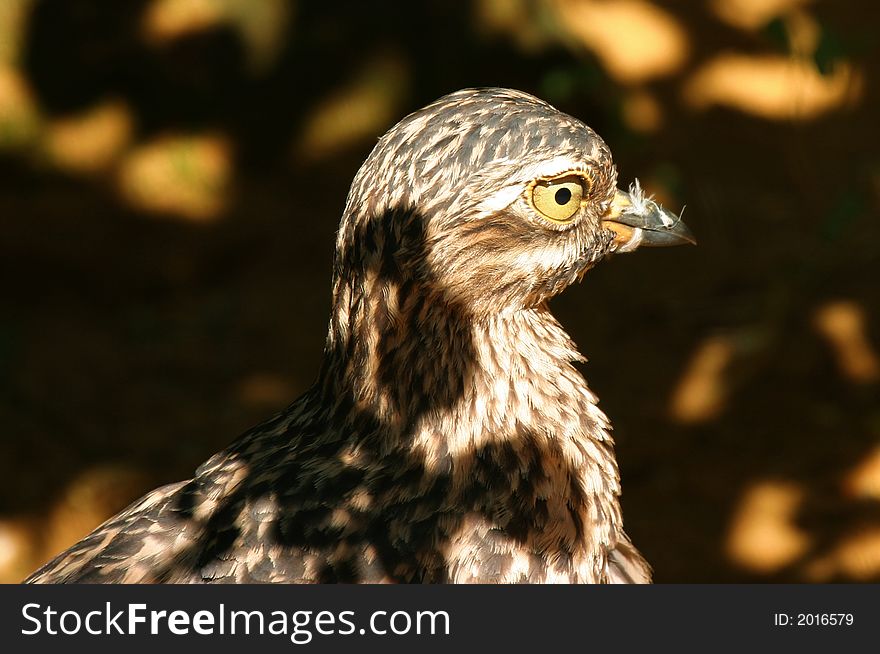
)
(830, 50)
(558, 85)
(359, 109)
(776, 32)
(834, 47)
(669, 176)
(848, 208)
(633, 40)
(188, 176)
(775, 87)
(20, 120)
(13, 24)
(563, 83)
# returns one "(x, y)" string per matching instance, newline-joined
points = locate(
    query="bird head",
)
(495, 197)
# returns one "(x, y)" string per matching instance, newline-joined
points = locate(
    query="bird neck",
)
(468, 394)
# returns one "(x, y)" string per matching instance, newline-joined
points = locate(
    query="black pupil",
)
(563, 196)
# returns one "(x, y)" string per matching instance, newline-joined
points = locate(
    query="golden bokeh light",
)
(863, 481)
(170, 19)
(642, 112)
(87, 501)
(753, 14)
(361, 110)
(856, 557)
(514, 19)
(634, 40)
(187, 176)
(763, 536)
(701, 393)
(13, 17)
(264, 389)
(774, 87)
(92, 141)
(261, 24)
(844, 327)
(17, 546)
(19, 116)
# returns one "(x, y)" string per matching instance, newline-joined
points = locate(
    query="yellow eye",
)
(558, 199)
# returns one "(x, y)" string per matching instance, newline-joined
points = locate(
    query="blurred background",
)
(172, 173)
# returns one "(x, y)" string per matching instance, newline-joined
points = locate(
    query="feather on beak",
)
(637, 220)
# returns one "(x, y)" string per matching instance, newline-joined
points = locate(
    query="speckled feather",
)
(448, 437)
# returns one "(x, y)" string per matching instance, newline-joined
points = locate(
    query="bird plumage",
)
(449, 436)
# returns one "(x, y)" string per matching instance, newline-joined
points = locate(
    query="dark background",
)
(171, 177)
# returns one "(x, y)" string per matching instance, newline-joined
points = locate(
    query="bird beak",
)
(637, 220)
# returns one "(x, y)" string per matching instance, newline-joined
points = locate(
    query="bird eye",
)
(558, 199)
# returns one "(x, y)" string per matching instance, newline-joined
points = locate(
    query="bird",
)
(449, 436)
